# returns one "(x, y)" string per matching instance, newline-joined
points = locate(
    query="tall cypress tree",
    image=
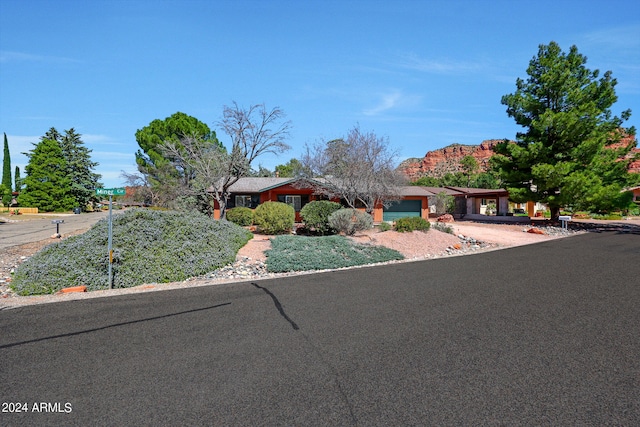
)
(6, 173)
(17, 180)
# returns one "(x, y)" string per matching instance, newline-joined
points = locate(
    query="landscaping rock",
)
(535, 231)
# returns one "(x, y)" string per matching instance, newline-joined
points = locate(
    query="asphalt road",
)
(545, 334)
(39, 227)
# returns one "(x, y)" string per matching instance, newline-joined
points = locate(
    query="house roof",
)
(450, 191)
(479, 192)
(415, 190)
(262, 184)
(257, 185)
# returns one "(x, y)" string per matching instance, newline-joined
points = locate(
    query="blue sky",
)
(424, 74)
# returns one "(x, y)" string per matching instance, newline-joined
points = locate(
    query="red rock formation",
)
(447, 160)
(439, 162)
(626, 140)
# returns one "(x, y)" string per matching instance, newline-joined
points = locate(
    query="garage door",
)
(402, 209)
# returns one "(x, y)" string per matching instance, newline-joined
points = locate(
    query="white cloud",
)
(112, 155)
(622, 38)
(438, 66)
(87, 137)
(22, 143)
(10, 56)
(392, 100)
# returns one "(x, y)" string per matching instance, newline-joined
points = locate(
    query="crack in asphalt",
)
(315, 349)
(276, 302)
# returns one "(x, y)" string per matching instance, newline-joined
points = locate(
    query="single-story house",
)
(475, 203)
(636, 194)
(471, 203)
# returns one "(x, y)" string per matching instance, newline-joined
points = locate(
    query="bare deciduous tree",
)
(160, 194)
(253, 132)
(358, 169)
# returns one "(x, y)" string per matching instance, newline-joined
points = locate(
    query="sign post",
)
(110, 192)
(57, 222)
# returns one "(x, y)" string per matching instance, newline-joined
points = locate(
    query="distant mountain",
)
(438, 162)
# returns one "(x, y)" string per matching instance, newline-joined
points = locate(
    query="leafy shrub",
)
(316, 215)
(348, 221)
(444, 203)
(303, 253)
(384, 226)
(608, 217)
(149, 247)
(274, 217)
(441, 226)
(241, 216)
(412, 223)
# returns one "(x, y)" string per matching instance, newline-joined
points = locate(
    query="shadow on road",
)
(115, 325)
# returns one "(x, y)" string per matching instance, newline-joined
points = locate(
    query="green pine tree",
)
(47, 184)
(79, 168)
(567, 156)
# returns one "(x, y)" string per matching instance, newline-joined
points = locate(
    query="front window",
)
(294, 201)
(243, 201)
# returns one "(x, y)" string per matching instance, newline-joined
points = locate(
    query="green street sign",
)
(110, 192)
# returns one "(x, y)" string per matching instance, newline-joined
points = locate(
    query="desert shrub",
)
(349, 221)
(384, 226)
(607, 216)
(444, 203)
(441, 226)
(149, 247)
(412, 223)
(303, 253)
(274, 217)
(241, 216)
(316, 215)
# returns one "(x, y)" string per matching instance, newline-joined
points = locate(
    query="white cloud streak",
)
(392, 100)
(414, 62)
(7, 56)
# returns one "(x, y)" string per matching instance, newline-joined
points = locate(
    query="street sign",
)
(110, 191)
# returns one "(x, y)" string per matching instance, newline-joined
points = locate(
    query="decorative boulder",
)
(445, 218)
(535, 231)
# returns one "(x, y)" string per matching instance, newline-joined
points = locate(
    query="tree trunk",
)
(555, 213)
(222, 202)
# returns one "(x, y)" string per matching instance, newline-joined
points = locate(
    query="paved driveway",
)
(39, 227)
(546, 334)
